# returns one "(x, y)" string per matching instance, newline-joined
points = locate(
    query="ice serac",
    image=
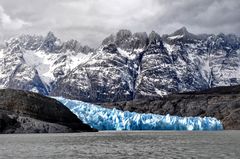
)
(112, 119)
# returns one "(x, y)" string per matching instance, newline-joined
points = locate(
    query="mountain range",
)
(124, 67)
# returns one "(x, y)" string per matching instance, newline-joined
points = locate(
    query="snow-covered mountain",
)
(126, 65)
(129, 66)
(35, 63)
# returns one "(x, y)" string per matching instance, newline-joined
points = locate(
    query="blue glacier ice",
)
(113, 119)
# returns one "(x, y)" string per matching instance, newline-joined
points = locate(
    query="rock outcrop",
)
(222, 103)
(27, 112)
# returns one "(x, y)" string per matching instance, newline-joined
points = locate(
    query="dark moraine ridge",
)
(222, 103)
(28, 112)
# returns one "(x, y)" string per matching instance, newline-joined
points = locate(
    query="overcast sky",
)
(89, 21)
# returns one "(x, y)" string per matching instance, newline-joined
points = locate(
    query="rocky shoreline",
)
(27, 112)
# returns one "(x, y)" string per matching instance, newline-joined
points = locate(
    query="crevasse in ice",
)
(113, 119)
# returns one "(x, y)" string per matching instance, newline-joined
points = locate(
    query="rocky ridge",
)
(27, 112)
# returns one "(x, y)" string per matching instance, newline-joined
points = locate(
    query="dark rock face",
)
(222, 103)
(140, 40)
(75, 46)
(91, 80)
(14, 123)
(154, 38)
(49, 43)
(22, 112)
(127, 41)
(7, 124)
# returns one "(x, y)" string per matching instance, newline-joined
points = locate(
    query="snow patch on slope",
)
(175, 37)
(46, 63)
(170, 48)
(129, 55)
(161, 92)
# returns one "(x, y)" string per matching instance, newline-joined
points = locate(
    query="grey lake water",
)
(126, 144)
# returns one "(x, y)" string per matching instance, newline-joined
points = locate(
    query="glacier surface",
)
(113, 119)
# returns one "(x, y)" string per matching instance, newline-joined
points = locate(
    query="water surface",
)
(134, 144)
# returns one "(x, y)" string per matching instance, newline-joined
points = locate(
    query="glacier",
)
(112, 119)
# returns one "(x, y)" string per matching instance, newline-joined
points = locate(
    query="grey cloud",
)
(90, 21)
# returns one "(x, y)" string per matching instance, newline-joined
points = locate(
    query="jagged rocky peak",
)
(76, 46)
(140, 40)
(227, 42)
(51, 43)
(128, 41)
(182, 34)
(123, 40)
(72, 45)
(123, 34)
(182, 31)
(30, 42)
(27, 42)
(154, 38)
(120, 37)
(123, 37)
(112, 48)
(108, 40)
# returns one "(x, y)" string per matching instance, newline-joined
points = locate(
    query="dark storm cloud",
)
(91, 20)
